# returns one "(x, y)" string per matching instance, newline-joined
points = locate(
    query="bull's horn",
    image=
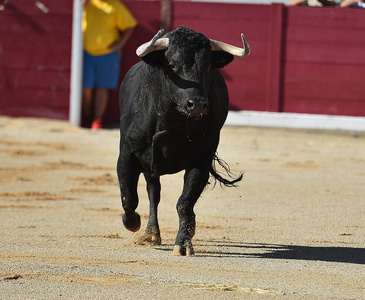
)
(157, 43)
(240, 52)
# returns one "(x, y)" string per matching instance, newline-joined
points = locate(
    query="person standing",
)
(107, 25)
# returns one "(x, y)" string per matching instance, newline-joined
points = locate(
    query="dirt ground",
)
(294, 228)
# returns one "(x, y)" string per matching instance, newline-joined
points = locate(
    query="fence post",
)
(274, 59)
(76, 65)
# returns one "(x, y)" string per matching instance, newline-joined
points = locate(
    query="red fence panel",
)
(324, 61)
(35, 58)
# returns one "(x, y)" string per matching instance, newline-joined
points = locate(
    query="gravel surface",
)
(294, 228)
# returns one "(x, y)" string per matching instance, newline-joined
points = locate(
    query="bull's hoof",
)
(152, 239)
(132, 221)
(186, 250)
(149, 239)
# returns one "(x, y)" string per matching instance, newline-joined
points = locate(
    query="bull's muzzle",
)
(197, 107)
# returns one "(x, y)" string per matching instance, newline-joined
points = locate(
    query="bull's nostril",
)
(190, 104)
(197, 106)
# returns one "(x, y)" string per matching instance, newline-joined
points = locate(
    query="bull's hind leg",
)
(128, 175)
(152, 234)
(194, 182)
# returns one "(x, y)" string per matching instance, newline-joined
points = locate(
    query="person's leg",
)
(101, 102)
(87, 99)
(88, 79)
(106, 78)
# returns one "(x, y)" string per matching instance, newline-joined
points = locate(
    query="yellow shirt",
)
(102, 22)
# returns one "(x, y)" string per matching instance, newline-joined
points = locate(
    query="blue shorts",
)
(101, 71)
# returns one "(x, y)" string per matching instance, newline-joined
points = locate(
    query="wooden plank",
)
(315, 89)
(325, 106)
(332, 18)
(313, 80)
(274, 61)
(37, 79)
(36, 103)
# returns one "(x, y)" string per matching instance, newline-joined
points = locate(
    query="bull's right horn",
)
(236, 51)
(157, 43)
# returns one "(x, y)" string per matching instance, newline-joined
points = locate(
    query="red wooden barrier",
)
(324, 61)
(304, 59)
(35, 51)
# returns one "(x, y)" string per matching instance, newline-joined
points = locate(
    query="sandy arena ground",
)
(293, 229)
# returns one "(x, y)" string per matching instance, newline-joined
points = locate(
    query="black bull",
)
(173, 105)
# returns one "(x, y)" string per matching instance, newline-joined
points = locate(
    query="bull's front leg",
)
(152, 234)
(194, 182)
(128, 180)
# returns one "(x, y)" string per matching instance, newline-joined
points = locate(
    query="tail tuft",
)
(225, 166)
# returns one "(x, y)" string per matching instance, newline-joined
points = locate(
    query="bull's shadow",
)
(230, 249)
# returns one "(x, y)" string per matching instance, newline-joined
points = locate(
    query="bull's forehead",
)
(188, 47)
(188, 57)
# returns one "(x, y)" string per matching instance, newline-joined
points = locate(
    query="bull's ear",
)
(221, 59)
(155, 58)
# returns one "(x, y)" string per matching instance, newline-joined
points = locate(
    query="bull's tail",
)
(225, 166)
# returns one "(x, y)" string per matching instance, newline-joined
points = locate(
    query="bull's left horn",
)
(236, 51)
(157, 43)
